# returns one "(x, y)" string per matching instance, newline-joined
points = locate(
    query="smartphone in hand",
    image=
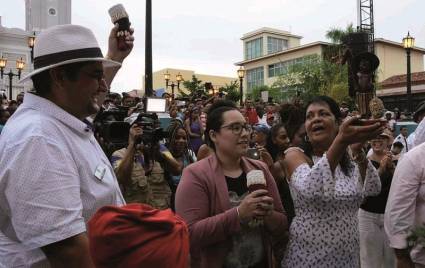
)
(253, 153)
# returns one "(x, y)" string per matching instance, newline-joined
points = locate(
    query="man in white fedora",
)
(53, 173)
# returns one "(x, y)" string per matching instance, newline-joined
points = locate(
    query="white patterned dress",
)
(324, 232)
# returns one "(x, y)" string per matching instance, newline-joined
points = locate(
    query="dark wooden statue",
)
(363, 67)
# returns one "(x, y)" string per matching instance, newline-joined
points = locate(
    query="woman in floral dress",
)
(327, 187)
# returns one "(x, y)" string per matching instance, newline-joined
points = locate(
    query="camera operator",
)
(138, 168)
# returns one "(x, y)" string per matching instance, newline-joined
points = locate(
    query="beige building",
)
(392, 57)
(159, 80)
(268, 53)
(393, 91)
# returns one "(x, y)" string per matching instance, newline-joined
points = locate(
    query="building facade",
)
(14, 46)
(39, 15)
(268, 53)
(42, 14)
(393, 91)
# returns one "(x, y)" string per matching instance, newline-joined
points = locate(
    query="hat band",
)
(50, 59)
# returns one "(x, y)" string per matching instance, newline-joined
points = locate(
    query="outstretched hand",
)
(351, 131)
(114, 53)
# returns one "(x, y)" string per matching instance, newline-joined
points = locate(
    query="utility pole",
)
(148, 50)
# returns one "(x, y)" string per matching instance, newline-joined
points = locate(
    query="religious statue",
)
(363, 67)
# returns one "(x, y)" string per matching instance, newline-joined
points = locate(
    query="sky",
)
(204, 36)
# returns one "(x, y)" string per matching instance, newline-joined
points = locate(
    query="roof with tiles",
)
(418, 78)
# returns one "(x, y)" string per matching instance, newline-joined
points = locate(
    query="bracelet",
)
(239, 217)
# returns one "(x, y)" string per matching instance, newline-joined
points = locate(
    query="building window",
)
(254, 49)
(276, 44)
(255, 77)
(282, 67)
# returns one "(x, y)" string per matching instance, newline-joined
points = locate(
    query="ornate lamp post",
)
(212, 91)
(20, 64)
(241, 74)
(179, 78)
(409, 43)
(31, 42)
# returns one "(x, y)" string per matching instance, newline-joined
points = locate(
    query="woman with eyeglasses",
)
(328, 186)
(214, 200)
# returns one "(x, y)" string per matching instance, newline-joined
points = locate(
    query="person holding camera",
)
(139, 171)
(128, 167)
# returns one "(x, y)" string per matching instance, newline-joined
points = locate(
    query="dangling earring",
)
(306, 138)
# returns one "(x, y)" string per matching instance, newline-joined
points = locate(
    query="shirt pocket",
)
(157, 174)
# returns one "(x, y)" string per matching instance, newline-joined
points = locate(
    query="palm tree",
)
(338, 38)
(338, 35)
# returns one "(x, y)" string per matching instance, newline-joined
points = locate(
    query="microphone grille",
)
(255, 177)
(117, 12)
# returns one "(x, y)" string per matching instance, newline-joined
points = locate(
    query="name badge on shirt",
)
(100, 171)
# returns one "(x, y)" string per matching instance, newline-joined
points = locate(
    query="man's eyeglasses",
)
(237, 128)
(99, 76)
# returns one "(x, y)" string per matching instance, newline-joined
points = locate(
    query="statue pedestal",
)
(362, 101)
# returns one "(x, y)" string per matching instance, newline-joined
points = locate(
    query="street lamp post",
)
(241, 74)
(31, 42)
(179, 78)
(409, 43)
(212, 91)
(20, 64)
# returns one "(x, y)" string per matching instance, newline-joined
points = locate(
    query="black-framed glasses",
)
(237, 127)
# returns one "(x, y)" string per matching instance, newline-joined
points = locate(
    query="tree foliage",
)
(195, 87)
(231, 91)
(338, 36)
(314, 77)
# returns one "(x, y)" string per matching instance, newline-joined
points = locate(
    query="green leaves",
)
(194, 86)
(416, 237)
(231, 91)
(313, 77)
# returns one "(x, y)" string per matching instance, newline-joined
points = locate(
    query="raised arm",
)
(115, 54)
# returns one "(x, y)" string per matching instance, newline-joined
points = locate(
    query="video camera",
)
(111, 127)
(152, 133)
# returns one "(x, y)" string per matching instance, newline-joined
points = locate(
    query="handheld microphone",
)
(120, 16)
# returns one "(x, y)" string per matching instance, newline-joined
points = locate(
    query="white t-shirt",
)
(53, 177)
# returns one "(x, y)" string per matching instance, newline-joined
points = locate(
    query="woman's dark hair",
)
(172, 130)
(215, 118)
(345, 162)
(42, 82)
(292, 116)
(270, 146)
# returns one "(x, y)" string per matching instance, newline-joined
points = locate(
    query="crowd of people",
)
(263, 185)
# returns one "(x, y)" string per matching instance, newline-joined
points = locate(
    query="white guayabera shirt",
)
(53, 178)
(405, 208)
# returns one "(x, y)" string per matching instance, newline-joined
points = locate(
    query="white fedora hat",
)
(65, 44)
